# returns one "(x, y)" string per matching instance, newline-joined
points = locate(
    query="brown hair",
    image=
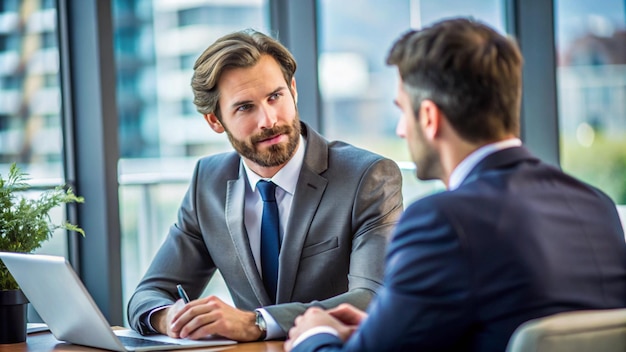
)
(472, 73)
(239, 49)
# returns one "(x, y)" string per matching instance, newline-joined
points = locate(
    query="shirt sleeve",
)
(315, 331)
(273, 329)
(148, 316)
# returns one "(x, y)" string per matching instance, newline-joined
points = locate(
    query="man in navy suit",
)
(511, 239)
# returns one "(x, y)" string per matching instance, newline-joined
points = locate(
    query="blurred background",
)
(148, 134)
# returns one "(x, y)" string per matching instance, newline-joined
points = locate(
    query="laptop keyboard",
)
(139, 342)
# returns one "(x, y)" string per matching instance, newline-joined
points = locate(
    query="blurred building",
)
(29, 85)
(592, 79)
(157, 43)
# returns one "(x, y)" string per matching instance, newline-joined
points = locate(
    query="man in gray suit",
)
(337, 206)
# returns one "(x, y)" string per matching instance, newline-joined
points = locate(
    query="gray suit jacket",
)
(346, 204)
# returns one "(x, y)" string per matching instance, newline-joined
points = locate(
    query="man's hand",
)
(314, 317)
(206, 316)
(348, 314)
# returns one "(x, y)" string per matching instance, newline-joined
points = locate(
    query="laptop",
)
(61, 300)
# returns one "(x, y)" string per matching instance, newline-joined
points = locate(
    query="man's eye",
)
(275, 96)
(244, 107)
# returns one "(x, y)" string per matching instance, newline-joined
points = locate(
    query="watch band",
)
(259, 321)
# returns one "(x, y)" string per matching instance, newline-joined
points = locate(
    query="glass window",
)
(591, 89)
(30, 105)
(161, 134)
(356, 85)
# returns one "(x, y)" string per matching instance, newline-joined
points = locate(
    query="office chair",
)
(578, 331)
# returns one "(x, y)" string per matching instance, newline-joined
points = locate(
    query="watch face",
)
(260, 322)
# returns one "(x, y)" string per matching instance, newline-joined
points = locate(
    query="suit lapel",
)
(235, 196)
(307, 197)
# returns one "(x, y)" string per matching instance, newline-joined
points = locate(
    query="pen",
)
(182, 293)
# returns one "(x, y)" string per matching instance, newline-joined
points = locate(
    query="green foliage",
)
(602, 164)
(25, 223)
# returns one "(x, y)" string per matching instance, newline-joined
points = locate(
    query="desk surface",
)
(44, 341)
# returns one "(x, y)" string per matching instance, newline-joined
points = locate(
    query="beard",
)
(426, 159)
(428, 166)
(276, 154)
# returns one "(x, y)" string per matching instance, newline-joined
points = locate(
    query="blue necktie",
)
(270, 238)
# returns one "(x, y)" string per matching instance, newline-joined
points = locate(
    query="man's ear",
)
(430, 119)
(214, 122)
(294, 91)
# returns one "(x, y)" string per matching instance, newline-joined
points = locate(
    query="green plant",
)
(25, 223)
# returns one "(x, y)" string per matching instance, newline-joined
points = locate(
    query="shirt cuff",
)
(149, 316)
(274, 331)
(315, 331)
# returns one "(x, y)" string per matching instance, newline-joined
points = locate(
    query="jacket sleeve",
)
(425, 301)
(181, 259)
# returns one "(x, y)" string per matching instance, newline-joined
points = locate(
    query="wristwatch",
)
(259, 321)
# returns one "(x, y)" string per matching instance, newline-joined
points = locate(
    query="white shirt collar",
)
(463, 169)
(287, 177)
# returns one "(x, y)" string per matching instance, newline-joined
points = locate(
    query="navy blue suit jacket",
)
(519, 239)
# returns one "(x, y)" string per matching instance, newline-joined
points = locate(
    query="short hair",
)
(235, 50)
(471, 72)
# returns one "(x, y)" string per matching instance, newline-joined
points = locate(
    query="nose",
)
(267, 116)
(401, 127)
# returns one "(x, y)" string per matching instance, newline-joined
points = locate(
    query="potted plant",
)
(25, 224)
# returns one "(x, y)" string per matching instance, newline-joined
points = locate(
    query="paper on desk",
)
(211, 340)
(32, 328)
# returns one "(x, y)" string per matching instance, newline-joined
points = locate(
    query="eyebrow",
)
(243, 102)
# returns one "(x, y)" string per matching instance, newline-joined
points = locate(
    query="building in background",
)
(156, 45)
(30, 99)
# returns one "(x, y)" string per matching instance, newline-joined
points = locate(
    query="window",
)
(591, 88)
(29, 92)
(161, 134)
(30, 110)
(356, 85)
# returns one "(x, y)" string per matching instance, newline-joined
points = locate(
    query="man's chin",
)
(425, 175)
(270, 160)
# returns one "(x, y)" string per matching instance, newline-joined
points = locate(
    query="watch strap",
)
(259, 321)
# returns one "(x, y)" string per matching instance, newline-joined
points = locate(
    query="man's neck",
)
(467, 158)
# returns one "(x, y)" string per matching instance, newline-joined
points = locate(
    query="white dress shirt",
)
(461, 171)
(286, 179)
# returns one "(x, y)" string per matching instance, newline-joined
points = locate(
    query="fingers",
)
(343, 308)
(186, 319)
(288, 345)
(211, 316)
(347, 314)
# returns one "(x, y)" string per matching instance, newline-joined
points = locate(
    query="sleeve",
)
(181, 259)
(376, 210)
(319, 343)
(425, 301)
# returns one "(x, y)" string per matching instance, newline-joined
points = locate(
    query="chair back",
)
(577, 331)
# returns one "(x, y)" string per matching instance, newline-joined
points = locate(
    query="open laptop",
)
(55, 291)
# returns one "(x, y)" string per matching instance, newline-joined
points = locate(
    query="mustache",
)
(269, 133)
